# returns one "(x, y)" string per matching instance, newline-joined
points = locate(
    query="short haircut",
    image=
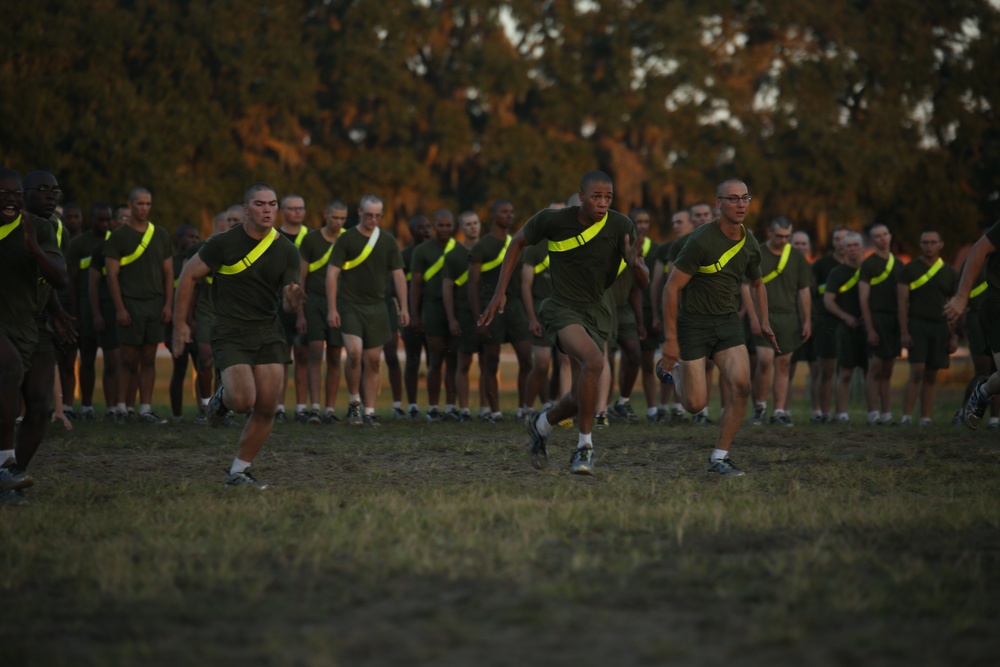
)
(637, 210)
(99, 206)
(840, 228)
(220, 219)
(722, 186)
(285, 199)
(136, 191)
(415, 220)
(254, 189)
(183, 229)
(876, 225)
(855, 235)
(465, 215)
(594, 177)
(369, 199)
(119, 208)
(497, 204)
(574, 199)
(804, 233)
(7, 172)
(700, 202)
(335, 205)
(781, 221)
(931, 230)
(443, 213)
(34, 177)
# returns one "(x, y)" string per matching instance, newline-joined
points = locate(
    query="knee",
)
(593, 364)
(741, 389)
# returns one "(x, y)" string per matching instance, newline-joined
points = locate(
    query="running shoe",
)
(354, 417)
(244, 479)
(781, 420)
(536, 448)
(724, 467)
(582, 461)
(601, 419)
(978, 402)
(370, 420)
(13, 477)
(759, 414)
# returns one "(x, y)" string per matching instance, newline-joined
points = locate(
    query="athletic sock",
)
(397, 405)
(120, 408)
(369, 411)
(622, 400)
(496, 414)
(993, 421)
(584, 441)
(449, 407)
(281, 408)
(886, 417)
(315, 407)
(873, 417)
(300, 407)
(761, 405)
(718, 454)
(906, 419)
(329, 411)
(144, 408)
(239, 466)
(925, 421)
(651, 412)
(354, 398)
(6, 455)
(466, 411)
(543, 425)
(203, 402)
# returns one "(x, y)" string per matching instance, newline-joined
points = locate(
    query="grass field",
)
(425, 543)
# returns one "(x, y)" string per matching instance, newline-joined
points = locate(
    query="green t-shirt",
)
(783, 289)
(535, 256)
(621, 289)
(821, 271)
(80, 255)
(365, 283)
(142, 278)
(715, 293)
(650, 252)
(927, 301)
(44, 288)
(424, 259)
(883, 297)
(456, 265)
(487, 249)
(674, 248)
(849, 299)
(203, 305)
(19, 273)
(314, 248)
(993, 261)
(252, 296)
(582, 274)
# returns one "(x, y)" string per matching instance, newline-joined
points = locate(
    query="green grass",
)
(437, 543)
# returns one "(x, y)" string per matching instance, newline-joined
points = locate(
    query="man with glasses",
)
(141, 281)
(293, 212)
(880, 314)
(709, 272)
(786, 277)
(363, 257)
(924, 287)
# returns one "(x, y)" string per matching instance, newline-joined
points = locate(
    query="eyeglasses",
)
(45, 190)
(16, 193)
(372, 216)
(297, 209)
(733, 199)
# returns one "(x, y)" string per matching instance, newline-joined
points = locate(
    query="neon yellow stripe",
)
(979, 289)
(621, 267)
(436, 266)
(59, 232)
(726, 256)
(209, 279)
(931, 272)
(85, 262)
(251, 257)
(143, 244)
(580, 239)
(647, 243)
(5, 230)
(821, 289)
(367, 250)
(462, 279)
(300, 236)
(542, 265)
(322, 261)
(498, 260)
(850, 283)
(781, 264)
(888, 269)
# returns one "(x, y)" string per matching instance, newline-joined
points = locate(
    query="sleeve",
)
(111, 247)
(339, 254)
(211, 253)
(904, 274)
(476, 253)
(165, 247)
(753, 266)
(419, 263)
(867, 270)
(395, 259)
(689, 258)
(46, 237)
(804, 277)
(835, 280)
(533, 230)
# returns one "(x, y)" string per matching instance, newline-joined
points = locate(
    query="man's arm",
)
(51, 264)
(333, 316)
(656, 294)
(94, 281)
(168, 290)
(758, 292)
(448, 297)
(527, 281)
(635, 301)
(957, 304)
(864, 296)
(416, 294)
(805, 312)
(633, 256)
(903, 313)
(399, 280)
(510, 260)
(676, 282)
(114, 287)
(830, 302)
(194, 270)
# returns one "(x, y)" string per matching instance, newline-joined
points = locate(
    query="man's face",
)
(881, 238)
(234, 216)
(779, 237)
(595, 200)
(800, 241)
(931, 245)
(733, 202)
(43, 196)
(334, 219)
(123, 217)
(371, 215)
(702, 213)
(681, 223)
(838, 240)
(11, 199)
(294, 210)
(852, 249)
(641, 221)
(471, 227)
(186, 239)
(262, 209)
(503, 216)
(444, 227)
(101, 221)
(73, 219)
(140, 207)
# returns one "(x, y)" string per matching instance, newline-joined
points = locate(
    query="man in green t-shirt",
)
(102, 309)
(293, 228)
(141, 282)
(256, 272)
(841, 301)
(428, 316)
(321, 338)
(361, 260)
(924, 287)
(29, 252)
(787, 279)
(983, 255)
(879, 312)
(700, 308)
(414, 343)
(587, 245)
(825, 325)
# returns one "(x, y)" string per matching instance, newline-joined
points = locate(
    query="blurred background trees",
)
(835, 112)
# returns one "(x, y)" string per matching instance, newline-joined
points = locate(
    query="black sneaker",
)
(151, 418)
(280, 417)
(434, 415)
(244, 479)
(13, 498)
(624, 412)
(976, 407)
(701, 419)
(536, 448)
(414, 414)
(781, 420)
(314, 418)
(354, 417)
(759, 414)
(582, 461)
(464, 417)
(370, 420)
(601, 419)
(301, 416)
(330, 418)
(724, 467)
(399, 413)
(217, 410)
(13, 478)
(452, 416)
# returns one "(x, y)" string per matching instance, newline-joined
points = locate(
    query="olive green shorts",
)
(975, 333)
(23, 336)
(46, 342)
(887, 327)
(251, 344)
(288, 324)
(547, 339)
(702, 336)
(146, 327)
(930, 343)
(108, 339)
(204, 316)
(318, 327)
(435, 319)
(468, 342)
(787, 331)
(805, 352)
(852, 346)
(511, 326)
(627, 328)
(596, 318)
(825, 336)
(367, 321)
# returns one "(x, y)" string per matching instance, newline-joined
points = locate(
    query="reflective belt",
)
(251, 257)
(888, 269)
(322, 261)
(367, 250)
(498, 260)
(821, 288)
(433, 269)
(931, 272)
(846, 287)
(785, 254)
(580, 239)
(542, 265)
(726, 256)
(143, 244)
(979, 289)
(5, 230)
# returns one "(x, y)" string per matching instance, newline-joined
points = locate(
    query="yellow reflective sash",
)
(726, 256)
(580, 239)
(251, 257)
(498, 260)
(979, 289)
(647, 243)
(367, 250)
(433, 269)
(931, 272)
(621, 267)
(143, 244)
(59, 231)
(107, 235)
(821, 289)
(542, 265)
(785, 254)
(209, 279)
(885, 274)
(85, 262)
(462, 279)
(846, 287)
(322, 261)
(301, 235)
(5, 230)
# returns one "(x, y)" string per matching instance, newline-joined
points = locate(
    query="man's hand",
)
(656, 325)
(300, 322)
(955, 307)
(535, 327)
(98, 322)
(416, 324)
(182, 336)
(953, 344)
(294, 296)
(906, 340)
(455, 327)
(873, 339)
(124, 319)
(404, 318)
(63, 323)
(166, 314)
(807, 330)
(495, 306)
(766, 333)
(671, 353)
(333, 319)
